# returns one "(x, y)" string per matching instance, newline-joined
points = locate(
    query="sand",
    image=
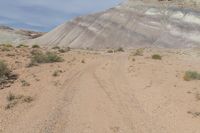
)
(105, 93)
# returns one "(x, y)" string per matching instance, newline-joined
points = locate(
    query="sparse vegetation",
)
(4, 70)
(25, 83)
(56, 47)
(64, 50)
(194, 114)
(11, 97)
(6, 47)
(110, 51)
(10, 105)
(35, 46)
(22, 46)
(139, 52)
(52, 57)
(156, 57)
(27, 99)
(15, 99)
(5, 75)
(191, 75)
(57, 73)
(39, 57)
(120, 49)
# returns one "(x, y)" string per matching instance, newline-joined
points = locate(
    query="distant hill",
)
(15, 36)
(134, 23)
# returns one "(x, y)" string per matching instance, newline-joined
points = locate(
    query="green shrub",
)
(52, 57)
(48, 57)
(35, 46)
(191, 75)
(156, 57)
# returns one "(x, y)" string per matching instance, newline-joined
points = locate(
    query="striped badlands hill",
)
(9, 35)
(134, 23)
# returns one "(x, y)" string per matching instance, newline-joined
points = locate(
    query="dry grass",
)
(13, 100)
(25, 83)
(4, 71)
(139, 52)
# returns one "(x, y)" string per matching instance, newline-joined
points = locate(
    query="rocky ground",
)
(102, 92)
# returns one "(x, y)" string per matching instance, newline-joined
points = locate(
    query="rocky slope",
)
(134, 23)
(15, 36)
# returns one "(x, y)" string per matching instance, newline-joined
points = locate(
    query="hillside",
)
(15, 36)
(133, 23)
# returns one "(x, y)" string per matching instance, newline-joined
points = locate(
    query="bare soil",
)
(105, 93)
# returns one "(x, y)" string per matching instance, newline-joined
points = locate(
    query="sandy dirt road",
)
(111, 94)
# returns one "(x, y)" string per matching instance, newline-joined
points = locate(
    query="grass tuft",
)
(13, 100)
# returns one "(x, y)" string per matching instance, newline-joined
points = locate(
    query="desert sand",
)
(100, 92)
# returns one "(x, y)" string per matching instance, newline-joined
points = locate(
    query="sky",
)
(44, 15)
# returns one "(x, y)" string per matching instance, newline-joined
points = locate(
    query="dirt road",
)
(111, 94)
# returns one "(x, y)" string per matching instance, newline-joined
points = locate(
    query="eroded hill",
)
(134, 23)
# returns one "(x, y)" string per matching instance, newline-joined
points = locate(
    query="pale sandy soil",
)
(109, 93)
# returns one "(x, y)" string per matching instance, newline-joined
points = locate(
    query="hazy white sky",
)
(46, 14)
